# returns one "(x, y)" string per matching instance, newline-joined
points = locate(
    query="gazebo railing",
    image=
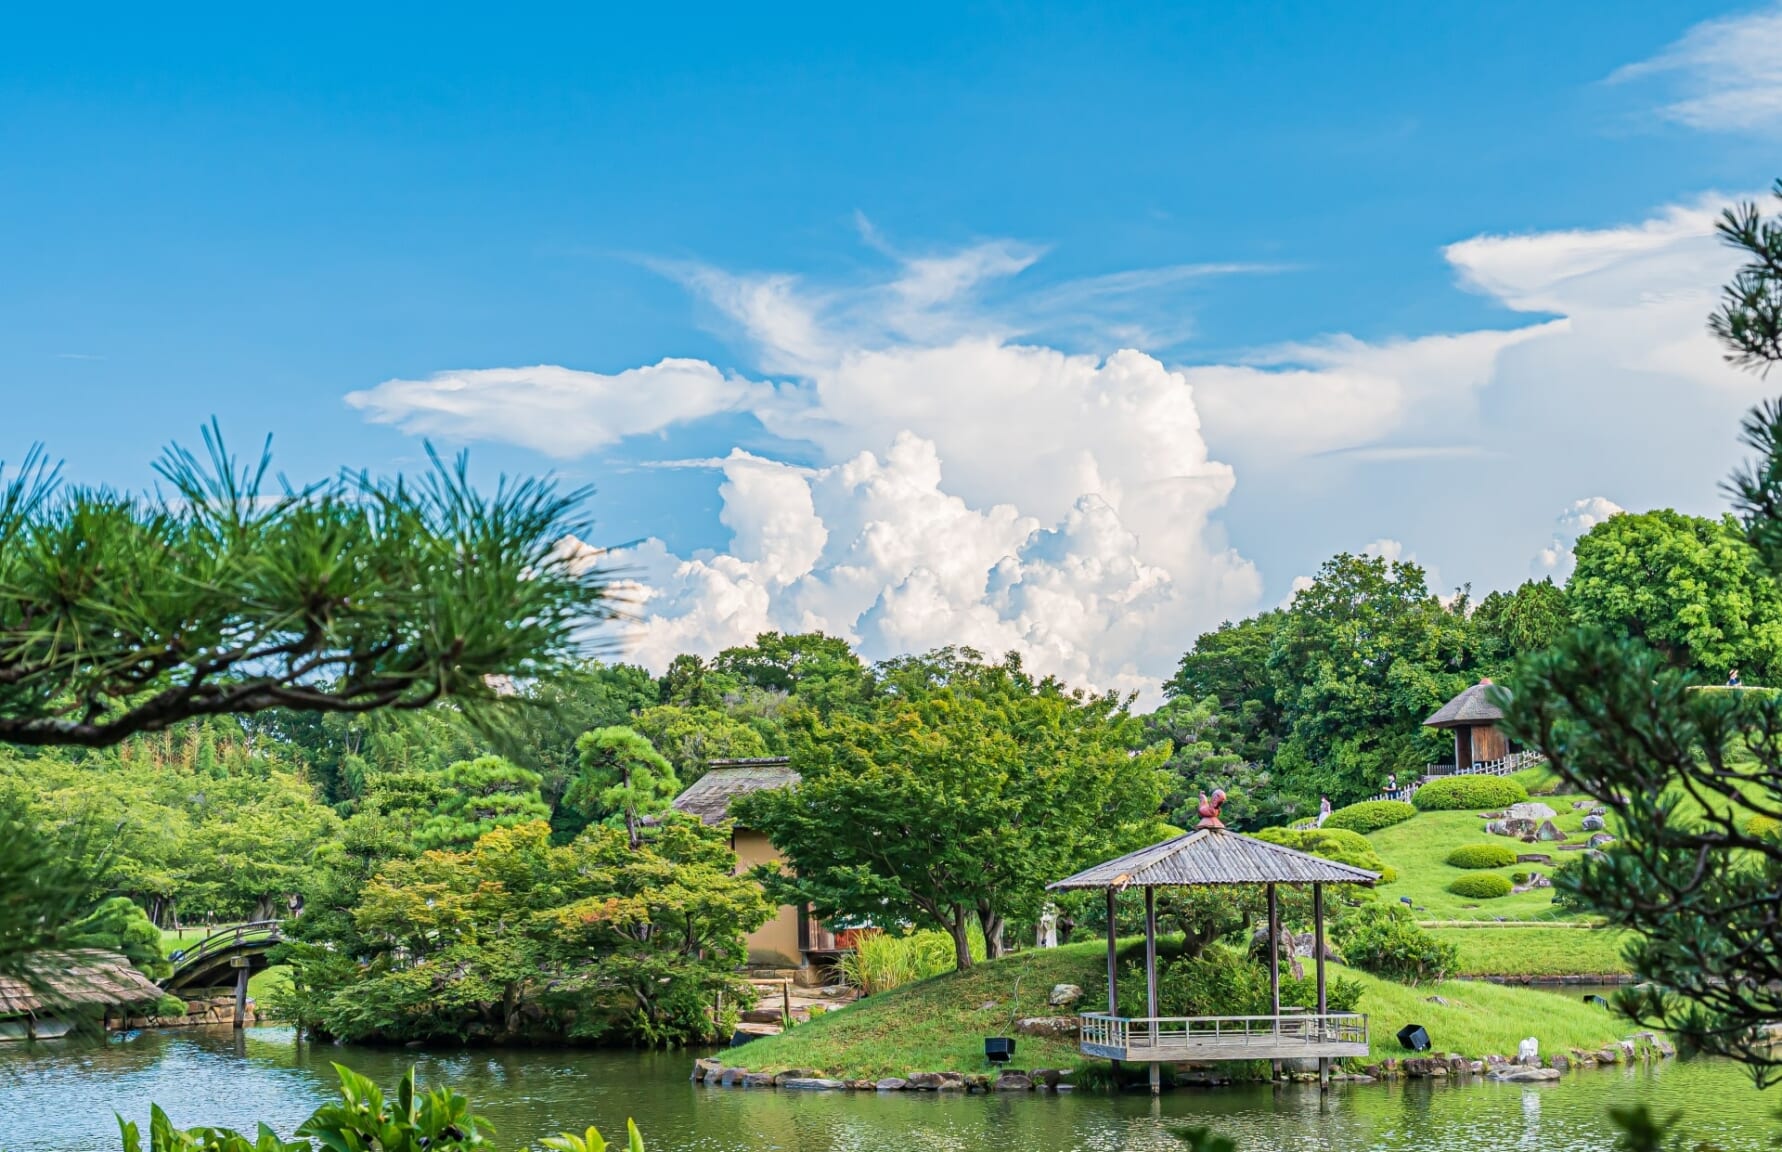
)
(1100, 1030)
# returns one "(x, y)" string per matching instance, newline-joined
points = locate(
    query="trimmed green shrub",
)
(1518, 877)
(1761, 827)
(1385, 939)
(1481, 856)
(1455, 793)
(1481, 886)
(1339, 844)
(1370, 815)
(169, 1007)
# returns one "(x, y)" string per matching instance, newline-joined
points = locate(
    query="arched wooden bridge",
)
(224, 959)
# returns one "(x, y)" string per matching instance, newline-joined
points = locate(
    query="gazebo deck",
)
(1170, 1038)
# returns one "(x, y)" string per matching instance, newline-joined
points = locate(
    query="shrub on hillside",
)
(1222, 981)
(1456, 793)
(1385, 939)
(1759, 827)
(1337, 844)
(1370, 815)
(1481, 856)
(1482, 886)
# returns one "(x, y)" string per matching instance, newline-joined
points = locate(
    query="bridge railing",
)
(257, 932)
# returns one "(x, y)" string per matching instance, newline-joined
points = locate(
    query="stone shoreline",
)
(1642, 1047)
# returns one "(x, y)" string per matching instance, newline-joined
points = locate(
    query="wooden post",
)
(1274, 968)
(1318, 951)
(1151, 981)
(1113, 969)
(241, 983)
(786, 1003)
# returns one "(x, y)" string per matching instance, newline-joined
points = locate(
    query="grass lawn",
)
(1520, 951)
(940, 1024)
(1419, 847)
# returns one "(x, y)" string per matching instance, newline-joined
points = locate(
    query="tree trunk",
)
(991, 921)
(960, 929)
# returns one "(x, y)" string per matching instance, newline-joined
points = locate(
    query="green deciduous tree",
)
(1231, 665)
(1526, 620)
(517, 938)
(958, 792)
(692, 736)
(1362, 657)
(1692, 588)
(622, 776)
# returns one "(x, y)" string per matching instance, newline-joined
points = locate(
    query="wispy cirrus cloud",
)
(1721, 75)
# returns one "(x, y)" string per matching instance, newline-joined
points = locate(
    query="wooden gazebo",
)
(1208, 856)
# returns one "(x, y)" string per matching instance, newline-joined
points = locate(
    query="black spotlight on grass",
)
(999, 1049)
(1413, 1036)
(1593, 998)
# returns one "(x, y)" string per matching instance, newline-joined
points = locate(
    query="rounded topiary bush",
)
(1453, 793)
(1339, 844)
(1483, 886)
(1370, 815)
(1482, 856)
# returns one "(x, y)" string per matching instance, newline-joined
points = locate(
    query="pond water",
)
(59, 1098)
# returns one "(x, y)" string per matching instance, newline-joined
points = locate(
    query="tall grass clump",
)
(881, 961)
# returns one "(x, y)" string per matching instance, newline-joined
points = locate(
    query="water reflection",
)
(61, 1097)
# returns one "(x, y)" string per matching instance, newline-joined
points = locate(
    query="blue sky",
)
(840, 225)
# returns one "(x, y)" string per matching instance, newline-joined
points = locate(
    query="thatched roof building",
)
(84, 977)
(709, 796)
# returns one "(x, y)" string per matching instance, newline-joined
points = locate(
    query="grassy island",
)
(939, 1024)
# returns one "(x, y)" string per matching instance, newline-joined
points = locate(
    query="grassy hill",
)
(1540, 939)
(940, 1024)
(1418, 848)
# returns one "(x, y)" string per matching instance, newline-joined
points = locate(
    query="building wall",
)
(1489, 743)
(775, 943)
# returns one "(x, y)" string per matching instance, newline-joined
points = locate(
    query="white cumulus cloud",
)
(1555, 559)
(558, 411)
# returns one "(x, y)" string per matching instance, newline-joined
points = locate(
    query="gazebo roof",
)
(1214, 856)
(1472, 706)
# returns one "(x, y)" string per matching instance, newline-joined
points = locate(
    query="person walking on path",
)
(1323, 810)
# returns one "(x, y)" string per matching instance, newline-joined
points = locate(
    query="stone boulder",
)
(1531, 811)
(1518, 1073)
(1533, 858)
(937, 1081)
(812, 1084)
(1013, 1082)
(1064, 996)
(758, 1080)
(707, 1069)
(1600, 839)
(1594, 824)
(795, 1074)
(1549, 833)
(1052, 1027)
(891, 1084)
(862, 1085)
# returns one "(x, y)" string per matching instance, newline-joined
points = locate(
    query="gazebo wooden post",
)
(1274, 967)
(1318, 951)
(1151, 981)
(1113, 969)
